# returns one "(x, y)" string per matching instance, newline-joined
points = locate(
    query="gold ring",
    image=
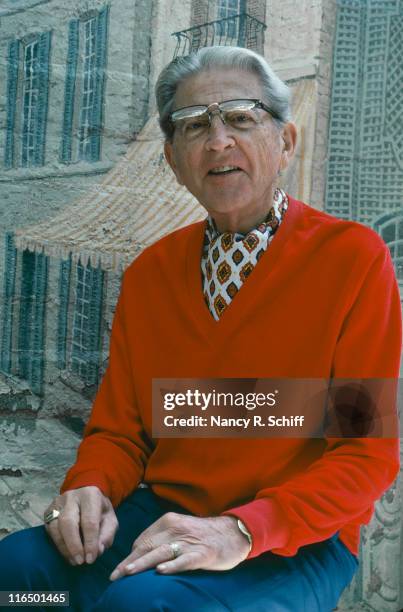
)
(176, 549)
(51, 515)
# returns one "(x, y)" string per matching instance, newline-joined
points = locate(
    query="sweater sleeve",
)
(115, 448)
(342, 485)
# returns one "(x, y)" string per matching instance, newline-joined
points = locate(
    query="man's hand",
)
(178, 542)
(86, 525)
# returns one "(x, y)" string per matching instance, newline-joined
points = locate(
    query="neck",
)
(238, 221)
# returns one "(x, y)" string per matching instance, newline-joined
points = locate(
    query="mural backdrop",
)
(84, 188)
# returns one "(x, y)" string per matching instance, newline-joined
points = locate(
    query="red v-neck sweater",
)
(322, 302)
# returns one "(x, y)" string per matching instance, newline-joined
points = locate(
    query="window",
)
(81, 322)
(88, 87)
(225, 9)
(86, 328)
(30, 100)
(84, 88)
(27, 101)
(228, 8)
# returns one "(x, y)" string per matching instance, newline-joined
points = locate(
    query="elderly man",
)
(265, 287)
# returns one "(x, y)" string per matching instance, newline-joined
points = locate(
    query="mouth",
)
(223, 170)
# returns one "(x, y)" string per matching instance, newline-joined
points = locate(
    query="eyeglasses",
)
(242, 115)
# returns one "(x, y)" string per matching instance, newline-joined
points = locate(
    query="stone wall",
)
(167, 17)
(199, 12)
(292, 40)
(28, 195)
(257, 9)
(324, 80)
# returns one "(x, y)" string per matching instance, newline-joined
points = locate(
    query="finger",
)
(160, 531)
(147, 540)
(90, 522)
(131, 565)
(108, 527)
(188, 561)
(53, 531)
(168, 527)
(144, 544)
(68, 523)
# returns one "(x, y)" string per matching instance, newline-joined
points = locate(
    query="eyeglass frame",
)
(257, 104)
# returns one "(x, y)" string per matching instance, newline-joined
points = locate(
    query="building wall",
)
(324, 85)
(28, 195)
(293, 36)
(292, 47)
(364, 172)
(199, 12)
(135, 55)
(353, 173)
(167, 17)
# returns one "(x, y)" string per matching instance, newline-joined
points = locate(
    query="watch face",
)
(244, 530)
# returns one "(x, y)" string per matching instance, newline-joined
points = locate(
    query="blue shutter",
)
(12, 84)
(26, 303)
(8, 303)
(35, 375)
(32, 319)
(43, 88)
(64, 294)
(94, 331)
(69, 91)
(100, 66)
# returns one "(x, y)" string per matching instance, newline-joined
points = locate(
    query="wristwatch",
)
(243, 529)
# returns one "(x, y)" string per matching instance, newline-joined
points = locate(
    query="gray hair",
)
(276, 94)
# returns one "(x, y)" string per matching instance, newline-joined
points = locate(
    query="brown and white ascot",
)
(229, 258)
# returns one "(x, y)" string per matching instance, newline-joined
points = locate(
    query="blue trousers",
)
(311, 581)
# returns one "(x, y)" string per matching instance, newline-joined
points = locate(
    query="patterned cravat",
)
(229, 258)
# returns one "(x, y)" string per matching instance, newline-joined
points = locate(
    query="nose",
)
(219, 136)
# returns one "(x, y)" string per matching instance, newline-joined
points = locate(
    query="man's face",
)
(245, 194)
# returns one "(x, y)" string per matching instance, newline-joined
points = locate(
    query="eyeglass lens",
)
(195, 120)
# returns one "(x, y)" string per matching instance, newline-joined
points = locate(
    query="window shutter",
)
(64, 294)
(37, 352)
(12, 84)
(25, 315)
(43, 88)
(32, 319)
(8, 303)
(100, 66)
(69, 91)
(94, 331)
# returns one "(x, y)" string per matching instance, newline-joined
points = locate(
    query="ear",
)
(170, 157)
(289, 136)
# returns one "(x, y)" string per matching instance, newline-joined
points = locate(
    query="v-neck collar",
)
(238, 308)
